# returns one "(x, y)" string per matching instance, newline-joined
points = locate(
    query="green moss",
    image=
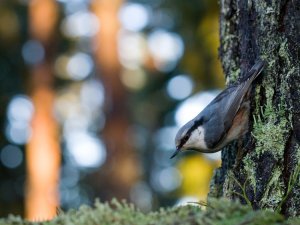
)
(233, 76)
(283, 52)
(271, 127)
(250, 168)
(229, 39)
(228, 185)
(270, 9)
(242, 192)
(272, 115)
(294, 179)
(274, 191)
(270, 130)
(218, 212)
(285, 55)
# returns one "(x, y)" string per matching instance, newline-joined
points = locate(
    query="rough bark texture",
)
(263, 168)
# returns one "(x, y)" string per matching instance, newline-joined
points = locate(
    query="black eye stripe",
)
(196, 124)
(186, 137)
(184, 140)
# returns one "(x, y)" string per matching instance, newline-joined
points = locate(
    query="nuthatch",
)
(223, 120)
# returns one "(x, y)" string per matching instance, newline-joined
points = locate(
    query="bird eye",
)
(186, 137)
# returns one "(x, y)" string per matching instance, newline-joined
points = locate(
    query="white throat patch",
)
(196, 140)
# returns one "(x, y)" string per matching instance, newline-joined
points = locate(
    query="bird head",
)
(190, 137)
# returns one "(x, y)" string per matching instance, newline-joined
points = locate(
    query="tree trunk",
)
(120, 172)
(263, 168)
(43, 149)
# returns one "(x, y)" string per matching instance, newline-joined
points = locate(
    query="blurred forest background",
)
(92, 94)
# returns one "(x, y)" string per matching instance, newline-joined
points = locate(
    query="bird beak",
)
(175, 153)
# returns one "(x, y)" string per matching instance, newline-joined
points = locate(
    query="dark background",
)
(116, 99)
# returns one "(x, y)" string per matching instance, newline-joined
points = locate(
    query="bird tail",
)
(256, 69)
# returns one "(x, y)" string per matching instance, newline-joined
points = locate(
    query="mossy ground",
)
(218, 212)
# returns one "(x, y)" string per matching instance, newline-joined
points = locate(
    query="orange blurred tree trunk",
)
(43, 151)
(120, 172)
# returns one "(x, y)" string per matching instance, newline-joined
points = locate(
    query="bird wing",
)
(222, 111)
(236, 98)
(233, 104)
(228, 103)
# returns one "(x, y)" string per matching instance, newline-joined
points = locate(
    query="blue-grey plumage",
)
(223, 120)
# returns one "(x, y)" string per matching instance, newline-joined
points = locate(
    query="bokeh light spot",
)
(141, 195)
(132, 49)
(80, 66)
(11, 156)
(87, 151)
(18, 133)
(20, 109)
(70, 176)
(92, 94)
(166, 180)
(180, 87)
(80, 24)
(134, 79)
(164, 138)
(134, 16)
(33, 52)
(169, 178)
(60, 67)
(19, 114)
(166, 49)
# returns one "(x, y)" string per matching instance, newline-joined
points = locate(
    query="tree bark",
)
(262, 169)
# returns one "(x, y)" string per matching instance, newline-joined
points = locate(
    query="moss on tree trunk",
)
(262, 169)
